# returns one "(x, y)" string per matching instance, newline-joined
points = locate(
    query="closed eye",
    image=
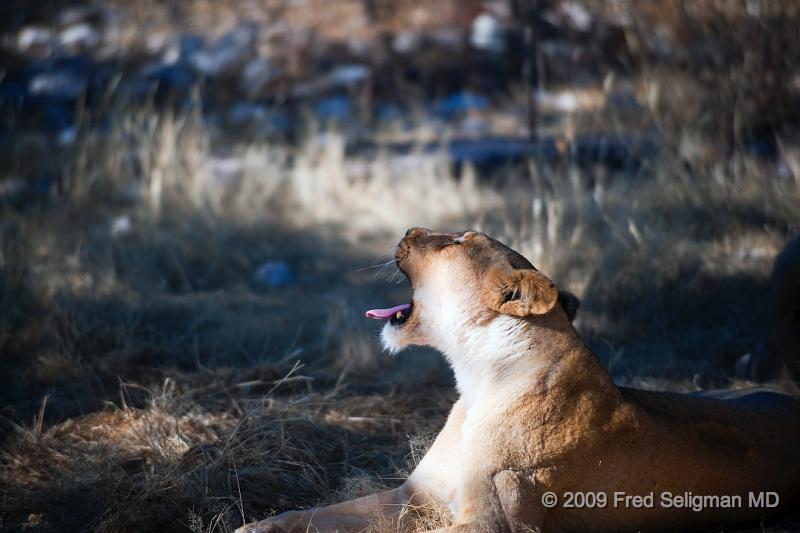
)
(510, 294)
(444, 244)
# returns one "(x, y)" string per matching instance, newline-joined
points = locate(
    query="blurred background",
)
(199, 199)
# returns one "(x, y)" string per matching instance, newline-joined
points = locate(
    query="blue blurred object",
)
(42, 185)
(761, 148)
(57, 115)
(333, 108)
(58, 84)
(178, 77)
(461, 102)
(279, 121)
(229, 53)
(12, 92)
(389, 111)
(245, 113)
(273, 273)
(190, 44)
(262, 119)
(348, 75)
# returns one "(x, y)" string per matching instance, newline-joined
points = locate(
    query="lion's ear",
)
(570, 303)
(523, 292)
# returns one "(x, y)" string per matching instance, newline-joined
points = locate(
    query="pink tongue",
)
(386, 314)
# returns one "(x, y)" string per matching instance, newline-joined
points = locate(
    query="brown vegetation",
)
(149, 383)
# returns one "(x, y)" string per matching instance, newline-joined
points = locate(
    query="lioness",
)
(541, 438)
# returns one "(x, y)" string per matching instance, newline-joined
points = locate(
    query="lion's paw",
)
(283, 523)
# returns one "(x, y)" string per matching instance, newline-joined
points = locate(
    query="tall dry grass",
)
(147, 376)
(162, 384)
(154, 388)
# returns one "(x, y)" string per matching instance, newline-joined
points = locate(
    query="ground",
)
(184, 264)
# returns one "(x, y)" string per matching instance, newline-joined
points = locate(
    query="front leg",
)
(503, 501)
(384, 510)
(432, 484)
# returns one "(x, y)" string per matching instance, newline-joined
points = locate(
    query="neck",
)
(510, 357)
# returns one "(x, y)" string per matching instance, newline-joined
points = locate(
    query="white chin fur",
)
(392, 339)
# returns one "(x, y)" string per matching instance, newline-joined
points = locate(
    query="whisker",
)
(388, 256)
(379, 265)
(395, 275)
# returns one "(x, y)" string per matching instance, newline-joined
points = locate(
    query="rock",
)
(246, 113)
(273, 273)
(259, 118)
(461, 102)
(475, 126)
(576, 15)
(67, 136)
(102, 74)
(58, 115)
(487, 34)
(59, 84)
(362, 47)
(279, 121)
(12, 92)
(43, 185)
(182, 49)
(12, 188)
(388, 112)
(561, 101)
(765, 148)
(406, 42)
(85, 13)
(624, 98)
(121, 226)
(453, 38)
(178, 78)
(348, 75)
(224, 172)
(257, 74)
(35, 40)
(742, 367)
(24, 190)
(333, 108)
(78, 38)
(130, 194)
(229, 53)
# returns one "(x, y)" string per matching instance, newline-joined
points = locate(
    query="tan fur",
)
(538, 413)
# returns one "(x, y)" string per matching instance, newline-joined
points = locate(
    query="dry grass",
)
(161, 385)
(180, 461)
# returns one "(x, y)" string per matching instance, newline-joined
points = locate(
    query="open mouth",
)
(398, 314)
(395, 315)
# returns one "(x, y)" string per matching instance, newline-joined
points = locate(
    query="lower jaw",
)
(392, 339)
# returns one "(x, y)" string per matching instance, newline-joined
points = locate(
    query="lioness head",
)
(463, 284)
